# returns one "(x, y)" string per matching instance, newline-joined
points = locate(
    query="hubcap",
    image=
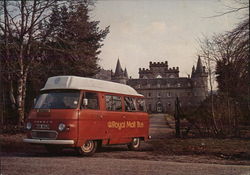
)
(88, 146)
(136, 142)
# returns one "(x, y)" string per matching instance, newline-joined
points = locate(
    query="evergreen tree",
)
(75, 41)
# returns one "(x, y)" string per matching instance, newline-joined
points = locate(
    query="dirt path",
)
(159, 128)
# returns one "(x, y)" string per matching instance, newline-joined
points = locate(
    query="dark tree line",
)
(39, 39)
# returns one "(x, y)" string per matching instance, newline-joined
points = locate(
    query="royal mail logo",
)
(125, 124)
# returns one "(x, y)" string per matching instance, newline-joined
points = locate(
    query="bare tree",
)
(20, 30)
(227, 58)
(207, 53)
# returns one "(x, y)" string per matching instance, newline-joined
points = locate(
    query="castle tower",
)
(199, 82)
(119, 76)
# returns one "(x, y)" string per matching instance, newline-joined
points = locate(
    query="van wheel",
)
(88, 148)
(134, 145)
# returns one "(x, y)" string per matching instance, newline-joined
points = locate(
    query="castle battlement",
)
(158, 64)
(159, 69)
(143, 70)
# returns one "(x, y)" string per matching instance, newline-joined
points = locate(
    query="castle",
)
(161, 84)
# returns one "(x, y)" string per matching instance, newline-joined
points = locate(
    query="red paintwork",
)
(86, 124)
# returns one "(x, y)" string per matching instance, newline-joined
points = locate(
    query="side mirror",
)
(85, 102)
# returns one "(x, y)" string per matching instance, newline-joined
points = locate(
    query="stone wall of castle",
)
(161, 85)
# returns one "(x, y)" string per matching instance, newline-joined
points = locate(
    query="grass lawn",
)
(224, 148)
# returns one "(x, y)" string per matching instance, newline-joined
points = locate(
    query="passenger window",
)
(113, 103)
(129, 104)
(91, 101)
(140, 103)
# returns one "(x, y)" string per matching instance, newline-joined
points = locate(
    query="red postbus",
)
(84, 113)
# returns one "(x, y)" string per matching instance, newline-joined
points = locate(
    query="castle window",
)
(158, 94)
(179, 85)
(149, 94)
(159, 107)
(171, 76)
(145, 77)
(168, 94)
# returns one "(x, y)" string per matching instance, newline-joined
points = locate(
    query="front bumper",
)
(52, 142)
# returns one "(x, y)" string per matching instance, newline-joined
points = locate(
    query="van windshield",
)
(58, 99)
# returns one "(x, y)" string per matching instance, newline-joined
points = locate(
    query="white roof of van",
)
(82, 83)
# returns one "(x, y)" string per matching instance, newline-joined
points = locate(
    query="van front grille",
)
(37, 134)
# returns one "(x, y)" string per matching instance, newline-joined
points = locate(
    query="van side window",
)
(140, 103)
(113, 103)
(92, 100)
(129, 104)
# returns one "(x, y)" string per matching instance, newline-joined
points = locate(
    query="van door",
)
(115, 118)
(91, 124)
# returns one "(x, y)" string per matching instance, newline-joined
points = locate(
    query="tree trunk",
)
(20, 101)
(212, 95)
(20, 88)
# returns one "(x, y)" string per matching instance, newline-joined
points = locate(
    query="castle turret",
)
(118, 69)
(125, 73)
(193, 71)
(199, 68)
(119, 76)
(199, 81)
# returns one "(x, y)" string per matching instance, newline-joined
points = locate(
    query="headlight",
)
(61, 127)
(28, 126)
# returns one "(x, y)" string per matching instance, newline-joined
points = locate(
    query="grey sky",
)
(158, 30)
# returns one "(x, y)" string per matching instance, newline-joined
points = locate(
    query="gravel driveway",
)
(107, 166)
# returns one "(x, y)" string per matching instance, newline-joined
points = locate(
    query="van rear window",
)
(130, 104)
(113, 103)
(140, 104)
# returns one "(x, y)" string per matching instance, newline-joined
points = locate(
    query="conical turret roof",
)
(126, 73)
(118, 69)
(199, 67)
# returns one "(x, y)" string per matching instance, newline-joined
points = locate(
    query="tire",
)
(53, 149)
(135, 144)
(88, 148)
